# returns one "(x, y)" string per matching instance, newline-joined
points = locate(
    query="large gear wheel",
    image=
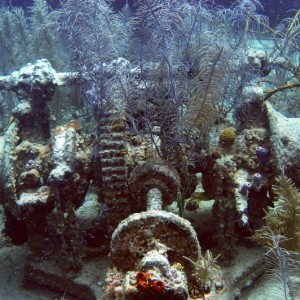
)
(140, 233)
(112, 149)
(154, 173)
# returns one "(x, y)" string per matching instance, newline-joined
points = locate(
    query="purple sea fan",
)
(256, 183)
(245, 188)
(262, 154)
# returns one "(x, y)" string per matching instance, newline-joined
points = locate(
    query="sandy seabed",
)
(13, 260)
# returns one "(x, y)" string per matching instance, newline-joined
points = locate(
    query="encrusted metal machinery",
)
(74, 197)
(44, 183)
(43, 176)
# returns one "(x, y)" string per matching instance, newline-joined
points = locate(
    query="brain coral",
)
(227, 136)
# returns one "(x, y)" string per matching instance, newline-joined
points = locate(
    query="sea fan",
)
(286, 37)
(15, 39)
(288, 207)
(284, 218)
(126, 18)
(45, 41)
(281, 265)
(162, 19)
(242, 21)
(209, 87)
(281, 237)
(160, 27)
(159, 40)
(95, 33)
(97, 37)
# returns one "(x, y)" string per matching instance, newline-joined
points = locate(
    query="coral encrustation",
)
(144, 283)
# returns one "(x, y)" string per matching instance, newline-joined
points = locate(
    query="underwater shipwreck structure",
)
(45, 177)
(179, 171)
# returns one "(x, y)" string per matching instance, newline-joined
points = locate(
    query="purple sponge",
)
(261, 154)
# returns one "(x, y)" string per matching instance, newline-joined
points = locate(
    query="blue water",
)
(274, 9)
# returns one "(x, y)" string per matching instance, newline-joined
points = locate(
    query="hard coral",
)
(227, 136)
